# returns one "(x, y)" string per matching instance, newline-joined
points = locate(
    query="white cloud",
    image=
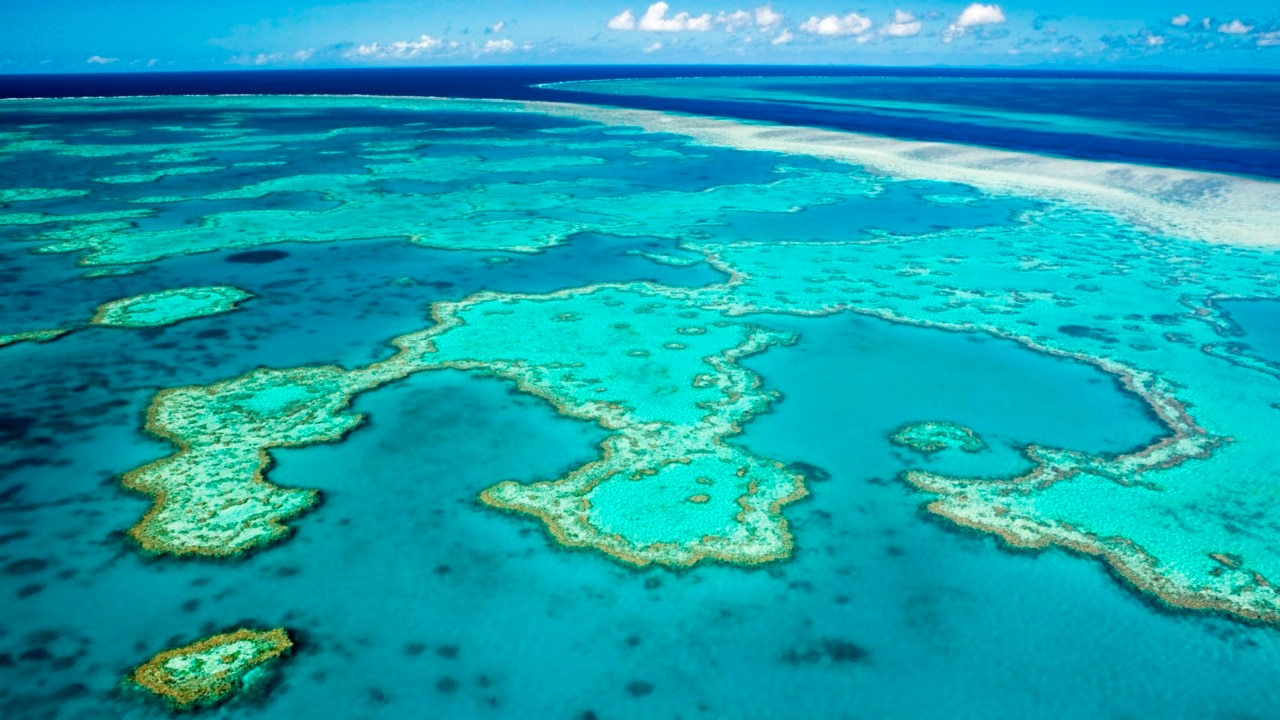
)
(1205, 24)
(1235, 27)
(655, 20)
(401, 50)
(978, 14)
(1155, 40)
(99, 60)
(975, 15)
(497, 27)
(498, 46)
(904, 24)
(1269, 39)
(833, 26)
(304, 55)
(623, 21)
(654, 47)
(1181, 20)
(152, 62)
(767, 17)
(734, 20)
(783, 38)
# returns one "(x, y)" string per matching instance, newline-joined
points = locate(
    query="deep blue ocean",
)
(1202, 103)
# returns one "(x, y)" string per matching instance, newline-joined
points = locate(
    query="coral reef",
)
(213, 670)
(929, 437)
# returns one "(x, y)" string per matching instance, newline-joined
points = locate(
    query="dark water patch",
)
(15, 427)
(447, 685)
(639, 688)
(14, 536)
(843, 651)
(448, 652)
(26, 566)
(36, 654)
(71, 692)
(831, 649)
(811, 472)
(256, 257)
(27, 591)
(1084, 331)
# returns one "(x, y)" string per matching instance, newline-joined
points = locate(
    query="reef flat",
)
(211, 498)
(153, 309)
(933, 436)
(166, 307)
(213, 670)
(33, 336)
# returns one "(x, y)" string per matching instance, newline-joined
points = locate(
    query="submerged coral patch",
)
(33, 336)
(153, 309)
(165, 307)
(933, 436)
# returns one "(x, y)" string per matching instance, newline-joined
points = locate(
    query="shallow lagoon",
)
(404, 592)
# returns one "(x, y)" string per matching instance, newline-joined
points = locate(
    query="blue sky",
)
(132, 35)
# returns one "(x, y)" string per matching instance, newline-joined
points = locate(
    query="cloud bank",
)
(904, 24)
(656, 19)
(976, 15)
(835, 26)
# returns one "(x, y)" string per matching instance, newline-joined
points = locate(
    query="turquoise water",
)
(1259, 324)
(618, 317)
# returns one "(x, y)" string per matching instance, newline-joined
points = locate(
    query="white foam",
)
(1187, 204)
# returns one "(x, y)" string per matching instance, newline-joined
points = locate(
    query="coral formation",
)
(211, 671)
(166, 307)
(933, 436)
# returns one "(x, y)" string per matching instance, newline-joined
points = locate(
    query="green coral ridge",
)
(213, 670)
(12, 195)
(931, 437)
(33, 336)
(166, 307)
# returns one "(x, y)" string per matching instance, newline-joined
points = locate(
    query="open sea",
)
(586, 392)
